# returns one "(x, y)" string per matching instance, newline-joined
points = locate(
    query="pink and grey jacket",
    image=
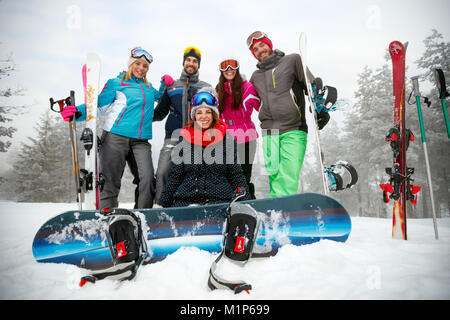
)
(239, 122)
(127, 107)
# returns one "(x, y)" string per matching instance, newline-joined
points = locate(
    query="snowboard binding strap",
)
(324, 97)
(242, 227)
(125, 257)
(336, 174)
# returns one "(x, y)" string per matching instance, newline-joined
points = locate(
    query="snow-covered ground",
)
(370, 265)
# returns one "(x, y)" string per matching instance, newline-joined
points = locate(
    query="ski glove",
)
(322, 119)
(168, 80)
(67, 112)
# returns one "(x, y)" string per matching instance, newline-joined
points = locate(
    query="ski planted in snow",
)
(399, 187)
(89, 175)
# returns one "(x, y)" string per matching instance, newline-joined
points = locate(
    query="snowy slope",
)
(370, 265)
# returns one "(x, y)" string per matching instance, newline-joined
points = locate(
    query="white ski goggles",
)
(257, 35)
(139, 53)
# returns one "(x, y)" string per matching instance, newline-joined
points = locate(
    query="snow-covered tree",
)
(436, 54)
(43, 171)
(6, 110)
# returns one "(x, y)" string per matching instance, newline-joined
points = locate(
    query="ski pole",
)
(75, 161)
(70, 101)
(442, 89)
(415, 81)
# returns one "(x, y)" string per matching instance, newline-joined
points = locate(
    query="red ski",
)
(399, 186)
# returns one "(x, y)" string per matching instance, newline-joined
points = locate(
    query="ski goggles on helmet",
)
(206, 97)
(139, 53)
(257, 35)
(229, 63)
(196, 50)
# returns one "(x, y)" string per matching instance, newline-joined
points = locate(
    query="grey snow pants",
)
(164, 164)
(113, 154)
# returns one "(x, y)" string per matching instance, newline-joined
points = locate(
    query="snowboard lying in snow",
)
(78, 237)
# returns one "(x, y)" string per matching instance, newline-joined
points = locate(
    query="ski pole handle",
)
(69, 101)
(415, 81)
(60, 103)
(72, 98)
(443, 94)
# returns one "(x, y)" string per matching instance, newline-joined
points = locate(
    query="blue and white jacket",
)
(127, 106)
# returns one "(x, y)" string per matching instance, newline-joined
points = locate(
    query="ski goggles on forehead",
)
(188, 49)
(139, 53)
(206, 97)
(257, 35)
(230, 63)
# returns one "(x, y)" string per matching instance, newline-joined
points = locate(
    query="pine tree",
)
(43, 169)
(437, 53)
(8, 110)
(368, 121)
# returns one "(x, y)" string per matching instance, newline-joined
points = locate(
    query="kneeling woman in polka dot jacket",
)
(205, 167)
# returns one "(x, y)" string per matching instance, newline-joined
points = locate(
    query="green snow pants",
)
(283, 157)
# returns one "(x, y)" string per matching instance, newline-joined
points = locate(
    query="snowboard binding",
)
(340, 176)
(241, 231)
(324, 97)
(127, 246)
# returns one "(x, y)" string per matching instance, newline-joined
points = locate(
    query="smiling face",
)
(139, 68)
(191, 65)
(204, 117)
(229, 74)
(261, 50)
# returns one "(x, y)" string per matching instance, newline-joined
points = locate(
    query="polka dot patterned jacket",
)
(205, 169)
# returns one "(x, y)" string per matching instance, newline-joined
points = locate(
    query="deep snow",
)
(370, 265)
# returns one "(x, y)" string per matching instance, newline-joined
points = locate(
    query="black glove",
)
(191, 93)
(322, 119)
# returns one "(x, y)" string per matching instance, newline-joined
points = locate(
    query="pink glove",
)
(68, 112)
(168, 81)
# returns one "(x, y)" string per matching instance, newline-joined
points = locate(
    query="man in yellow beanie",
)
(176, 103)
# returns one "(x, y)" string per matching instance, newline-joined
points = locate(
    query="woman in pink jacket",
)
(237, 99)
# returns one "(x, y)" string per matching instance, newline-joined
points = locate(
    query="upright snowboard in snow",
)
(303, 55)
(78, 237)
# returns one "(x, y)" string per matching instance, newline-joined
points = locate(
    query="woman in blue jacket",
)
(127, 103)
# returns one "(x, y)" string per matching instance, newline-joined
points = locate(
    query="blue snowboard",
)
(78, 237)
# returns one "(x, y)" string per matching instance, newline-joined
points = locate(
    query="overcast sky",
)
(49, 40)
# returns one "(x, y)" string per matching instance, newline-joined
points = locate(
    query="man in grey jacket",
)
(280, 83)
(175, 103)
